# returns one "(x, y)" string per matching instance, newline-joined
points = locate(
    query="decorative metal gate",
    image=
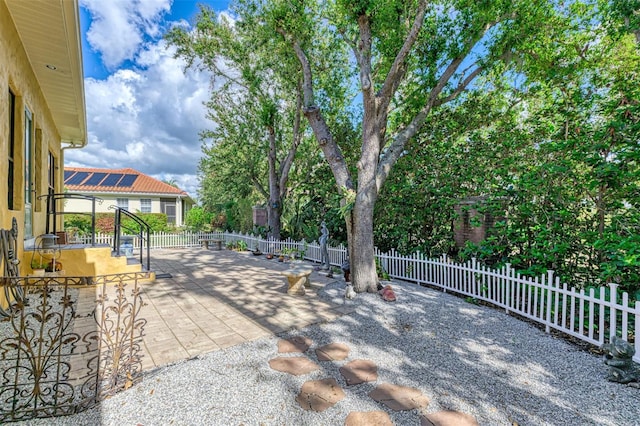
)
(67, 343)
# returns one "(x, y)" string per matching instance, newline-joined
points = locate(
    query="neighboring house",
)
(126, 188)
(42, 110)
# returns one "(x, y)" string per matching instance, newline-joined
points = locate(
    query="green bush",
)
(105, 223)
(198, 219)
(157, 222)
(80, 222)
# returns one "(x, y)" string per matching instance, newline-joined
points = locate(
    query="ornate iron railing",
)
(68, 343)
(141, 230)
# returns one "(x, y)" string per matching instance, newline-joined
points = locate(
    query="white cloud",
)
(147, 118)
(119, 27)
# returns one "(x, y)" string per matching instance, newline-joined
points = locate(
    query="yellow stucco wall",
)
(89, 261)
(16, 75)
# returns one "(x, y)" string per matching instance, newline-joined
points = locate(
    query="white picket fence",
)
(593, 316)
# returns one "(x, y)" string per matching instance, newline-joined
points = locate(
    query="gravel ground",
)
(463, 357)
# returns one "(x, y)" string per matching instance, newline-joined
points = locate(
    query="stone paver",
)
(297, 344)
(318, 395)
(447, 418)
(359, 371)
(217, 299)
(399, 398)
(332, 352)
(368, 418)
(296, 366)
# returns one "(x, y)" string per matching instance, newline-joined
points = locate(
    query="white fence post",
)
(613, 287)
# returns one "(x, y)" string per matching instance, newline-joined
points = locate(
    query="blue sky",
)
(143, 110)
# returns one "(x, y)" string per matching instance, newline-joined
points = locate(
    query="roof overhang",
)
(50, 33)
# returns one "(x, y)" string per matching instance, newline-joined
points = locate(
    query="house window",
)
(168, 207)
(123, 203)
(12, 149)
(145, 205)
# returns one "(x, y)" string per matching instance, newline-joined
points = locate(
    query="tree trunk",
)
(275, 203)
(363, 265)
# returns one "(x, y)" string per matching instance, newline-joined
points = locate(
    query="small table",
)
(298, 279)
(205, 243)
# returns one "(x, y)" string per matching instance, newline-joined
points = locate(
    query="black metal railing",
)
(140, 229)
(69, 343)
(53, 213)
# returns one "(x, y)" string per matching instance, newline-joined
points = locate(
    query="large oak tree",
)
(409, 58)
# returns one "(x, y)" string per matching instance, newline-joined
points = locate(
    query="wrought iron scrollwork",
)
(66, 344)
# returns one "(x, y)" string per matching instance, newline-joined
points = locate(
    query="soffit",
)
(50, 33)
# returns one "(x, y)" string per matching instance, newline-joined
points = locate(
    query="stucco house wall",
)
(41, 82)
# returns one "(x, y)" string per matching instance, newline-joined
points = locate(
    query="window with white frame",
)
(123, 203)
(145, 205)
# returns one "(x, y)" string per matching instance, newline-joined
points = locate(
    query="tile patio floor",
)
(216, 299)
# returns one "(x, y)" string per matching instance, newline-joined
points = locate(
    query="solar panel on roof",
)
(95, 179)
(128, 180)
(112, 179)
(68, 174)
(77, 178)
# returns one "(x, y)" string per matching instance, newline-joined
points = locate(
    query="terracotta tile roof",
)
(80, 179)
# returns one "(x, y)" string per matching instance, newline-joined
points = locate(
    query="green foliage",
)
(39, 263)
(157, 223)
(238, 245)
(234, 215)
(198, 219)
(381, 272)
(81, 222)
(105, 223)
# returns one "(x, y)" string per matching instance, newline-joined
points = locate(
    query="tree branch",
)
(259, 187)
(363, 56)
(461, 87)
(398, 68)
(321, 130)
(396, 149)
(285, 166)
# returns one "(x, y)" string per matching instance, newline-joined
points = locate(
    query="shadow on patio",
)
(217, 299)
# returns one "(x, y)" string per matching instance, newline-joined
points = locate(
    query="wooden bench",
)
(298, 279)
(206, 241)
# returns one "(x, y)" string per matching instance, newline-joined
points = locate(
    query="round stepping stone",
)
(297, 365)
(399, 398)
(448, 418)
(359, 371)
(318, 395)
(298, 344)
(368, 418)
(332, 352)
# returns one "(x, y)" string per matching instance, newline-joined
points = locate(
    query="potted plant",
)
(289, 253)
(38, 267)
